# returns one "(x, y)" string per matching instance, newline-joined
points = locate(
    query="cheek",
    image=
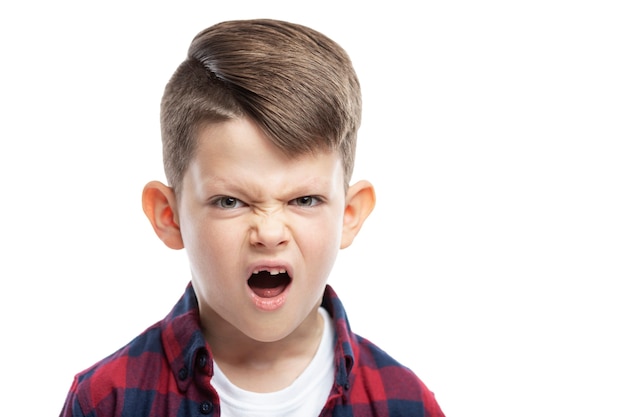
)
(208, 244)
(322, 239)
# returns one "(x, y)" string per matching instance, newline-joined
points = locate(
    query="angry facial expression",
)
(261, 229)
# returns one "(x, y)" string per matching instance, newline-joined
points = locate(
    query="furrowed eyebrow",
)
(229, 187)
(252, 192)
(315, 187)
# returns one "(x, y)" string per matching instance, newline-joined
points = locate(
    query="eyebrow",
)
(253, 192)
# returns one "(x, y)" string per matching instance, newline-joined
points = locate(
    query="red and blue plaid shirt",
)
(166, 372)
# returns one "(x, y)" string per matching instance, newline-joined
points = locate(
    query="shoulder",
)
(381, 381)
(153, 362)
(374, 365)
(102, 385)
(370, 380)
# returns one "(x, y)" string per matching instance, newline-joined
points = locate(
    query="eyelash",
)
(219, 202)
(309, 201)
(314, 201)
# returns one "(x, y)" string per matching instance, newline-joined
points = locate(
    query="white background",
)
(493, 265)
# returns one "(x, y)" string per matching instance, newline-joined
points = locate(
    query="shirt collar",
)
(344, 350)
(183, 339)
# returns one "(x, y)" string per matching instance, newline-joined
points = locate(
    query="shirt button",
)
(202, 360)
(206, 407)
(183, 374)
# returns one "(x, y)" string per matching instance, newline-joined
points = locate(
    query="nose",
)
(269, 231)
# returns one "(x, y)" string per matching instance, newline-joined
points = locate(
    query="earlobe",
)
(159, 205)
(360, 201)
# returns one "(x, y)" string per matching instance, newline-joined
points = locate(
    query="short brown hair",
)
(298, 85)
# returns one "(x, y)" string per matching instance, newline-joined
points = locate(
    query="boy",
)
(259, 127)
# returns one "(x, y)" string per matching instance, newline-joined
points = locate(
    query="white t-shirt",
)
(306, 396)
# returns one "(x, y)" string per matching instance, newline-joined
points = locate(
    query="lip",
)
(272, 303)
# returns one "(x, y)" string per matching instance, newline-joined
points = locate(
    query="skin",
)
(244, 206)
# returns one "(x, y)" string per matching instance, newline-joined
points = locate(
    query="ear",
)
(159, 205)
(360, 201)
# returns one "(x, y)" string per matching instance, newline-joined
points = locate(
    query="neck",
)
(261, 366)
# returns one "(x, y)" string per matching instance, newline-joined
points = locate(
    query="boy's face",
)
(261, 229)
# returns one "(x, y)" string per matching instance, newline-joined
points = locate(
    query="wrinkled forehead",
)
(237, 150)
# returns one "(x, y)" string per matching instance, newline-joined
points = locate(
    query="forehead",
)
(239, 149)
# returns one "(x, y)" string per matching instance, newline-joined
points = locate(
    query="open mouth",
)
(269, 283)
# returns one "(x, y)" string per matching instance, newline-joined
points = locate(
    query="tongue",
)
(268, 292)
(266, 285)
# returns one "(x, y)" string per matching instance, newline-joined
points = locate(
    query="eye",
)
(226, 202)
(306, 201)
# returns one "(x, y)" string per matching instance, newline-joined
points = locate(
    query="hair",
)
(298, 85)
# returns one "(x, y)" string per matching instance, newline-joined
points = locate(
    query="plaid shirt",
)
(166, 372)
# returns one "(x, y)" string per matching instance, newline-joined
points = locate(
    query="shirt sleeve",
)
(72, 408)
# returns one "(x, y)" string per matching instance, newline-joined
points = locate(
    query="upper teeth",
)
(272, 271)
